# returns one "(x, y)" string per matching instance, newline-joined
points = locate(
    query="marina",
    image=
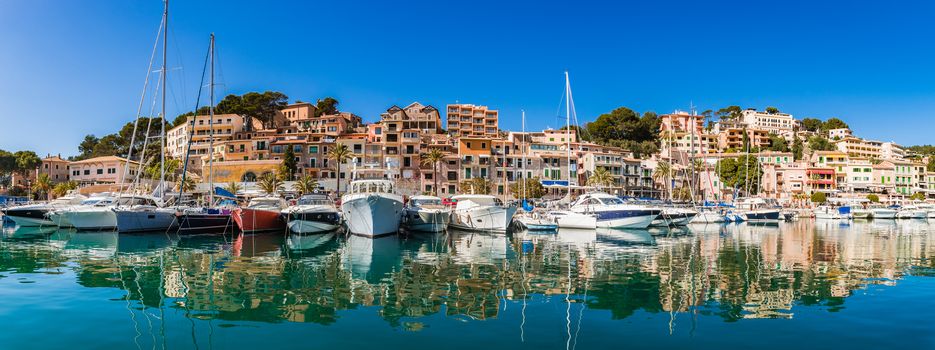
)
(716, 284)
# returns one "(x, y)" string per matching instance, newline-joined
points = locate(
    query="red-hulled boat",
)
(261, 215)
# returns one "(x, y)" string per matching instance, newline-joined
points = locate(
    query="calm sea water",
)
(796, 285)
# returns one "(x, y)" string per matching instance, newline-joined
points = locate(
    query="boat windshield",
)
(264, 202)
(482, 201)
(317, 200)
(611, 201)
(91, 201)
(134, 201)
(426, 201)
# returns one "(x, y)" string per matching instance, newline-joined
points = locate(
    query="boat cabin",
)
(372, 186)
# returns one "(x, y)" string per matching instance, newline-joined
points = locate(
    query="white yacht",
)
(825, 212)
(97, 215)
(38, 214)
(481, 212)
(881, 212)
(674, 216)
(759, 210)
(911, 212)
(313, 213)
(427, 214)
(144, 214)
(612, 212)
(372, 208)
(573, 220)
(708, 215)
(59, 219)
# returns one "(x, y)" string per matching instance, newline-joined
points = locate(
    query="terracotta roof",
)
(102, 159)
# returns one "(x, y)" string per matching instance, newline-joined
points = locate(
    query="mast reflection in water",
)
(860, 285)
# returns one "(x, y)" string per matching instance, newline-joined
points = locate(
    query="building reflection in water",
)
(731, 271)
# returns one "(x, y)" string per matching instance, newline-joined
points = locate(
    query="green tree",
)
(187, 186)
(7, 162)
(819, 197)
(153, 169)
(62, 188)
(772, 110)
(797, 147)
(305, 184)
(269, 183)
(818, 143)
(326, 106)
(833, 123)
(232, 187)
(811, 124)
(477, 185)
(918, 196)
(624, 124)
(87, 146)
(600, 178)
(533, 188)
(663, 173)
(43, 186)
(290, 165)
(26, 161)
(434, 157)
(729, 113)
(777, 143)
(339, 154)
(930, 167)
(873, 198)
(741, 173)
(263, 106)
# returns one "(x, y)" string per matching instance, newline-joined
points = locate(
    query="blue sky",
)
(71, 68)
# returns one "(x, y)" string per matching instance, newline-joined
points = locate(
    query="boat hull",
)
(91, 220)
(426, 220)
(631, 218)
(148, 220)
(372, 215)
(30, 216)
(708, 217)
(191, 223)
(762, 216)
(312, 222)
(493, 218)
(884, 214)
(257, 220)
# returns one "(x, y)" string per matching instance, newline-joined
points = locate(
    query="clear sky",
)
(71, 68)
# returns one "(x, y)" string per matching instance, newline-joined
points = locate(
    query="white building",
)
(107, 169)
(892, 151)
(837, 134)
(778, 123)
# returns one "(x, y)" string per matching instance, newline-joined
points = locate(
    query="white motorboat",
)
(611, 212)
(313, 213)
(535, 221)
(426, 214)
(862, 213)
(97, 215)
(674, 216)
(759, 210)
(708, 215)
(372, 208)
(883, 212)
(572, 220)
(831, 213)
(911, 212)
(38, 214)
(481, 212)
(144, 214)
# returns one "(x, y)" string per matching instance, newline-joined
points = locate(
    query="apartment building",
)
(778, 123)
(783, 180)
(103, 170)
(892, 151)
(837, 134)
(472, 121)
(731, 136)
(198, 129)
(834, 160)
(402, 130)
(56, 168)
(859, 148)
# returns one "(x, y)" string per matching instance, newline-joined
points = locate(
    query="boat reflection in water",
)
(656, 283)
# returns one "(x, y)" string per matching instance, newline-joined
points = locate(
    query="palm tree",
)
(270, 183)
(43, 185)
(305, 184)
(232, 187)
(62, 188)
(434, 156)
(600, 178)
(187, 186)
(339, 154)
(662, 173)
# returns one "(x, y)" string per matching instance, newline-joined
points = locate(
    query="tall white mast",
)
(162, 121)
(211, 126)
(568, 126)
(523, 165)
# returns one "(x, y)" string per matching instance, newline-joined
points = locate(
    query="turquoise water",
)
(803, 285)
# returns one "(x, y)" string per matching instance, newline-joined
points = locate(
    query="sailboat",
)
(571, 219)
(529, 219)
(213, 218)
(148, 213)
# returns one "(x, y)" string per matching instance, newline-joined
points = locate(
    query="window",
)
(312, 149)
(100, 171)
(87, 172)
(297, 148)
